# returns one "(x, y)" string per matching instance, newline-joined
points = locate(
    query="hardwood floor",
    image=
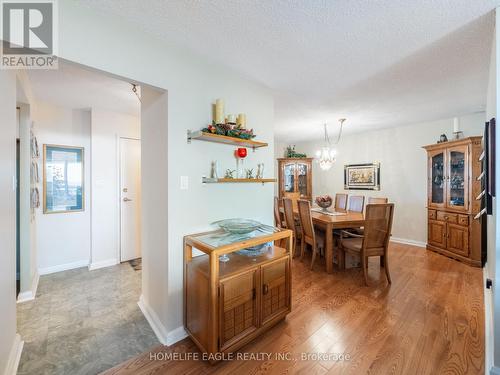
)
(429, 321)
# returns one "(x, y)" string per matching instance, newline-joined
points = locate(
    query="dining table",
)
(327, 222)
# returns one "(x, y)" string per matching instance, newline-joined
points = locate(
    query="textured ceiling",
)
(379, 63)
(72, 86)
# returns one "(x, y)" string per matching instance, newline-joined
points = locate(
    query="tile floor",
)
(83, 322)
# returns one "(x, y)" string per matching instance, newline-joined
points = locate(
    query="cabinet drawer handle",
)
(265, 289)
(446, 217)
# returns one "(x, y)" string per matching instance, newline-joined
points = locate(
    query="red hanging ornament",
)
(241, 152)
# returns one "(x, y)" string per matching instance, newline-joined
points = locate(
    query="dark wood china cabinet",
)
(295, 176)
(453, 186)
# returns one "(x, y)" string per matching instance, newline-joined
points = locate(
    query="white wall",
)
(107, 127)
(63, 239)
(28, 254)
(403, 168)
(154, 215)
(192, 86)
(7, 218)
(493, 304)
(489, 270)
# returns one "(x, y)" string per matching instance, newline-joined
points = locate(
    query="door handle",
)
(127, 199)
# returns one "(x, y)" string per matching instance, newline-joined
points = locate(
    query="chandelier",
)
(327, 155)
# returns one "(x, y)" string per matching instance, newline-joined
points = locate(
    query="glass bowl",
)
(238, 226)
(324, 201)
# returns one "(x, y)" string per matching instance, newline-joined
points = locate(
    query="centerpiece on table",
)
(230, 125)
(324, 201)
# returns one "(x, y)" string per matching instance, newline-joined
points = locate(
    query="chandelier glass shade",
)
(326, 156)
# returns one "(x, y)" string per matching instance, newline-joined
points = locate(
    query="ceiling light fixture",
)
(327, 155)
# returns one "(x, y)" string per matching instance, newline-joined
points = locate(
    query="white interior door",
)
(130, 199)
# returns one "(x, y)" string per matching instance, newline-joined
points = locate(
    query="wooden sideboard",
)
(453, 185)
(228, 304)
(295, 176)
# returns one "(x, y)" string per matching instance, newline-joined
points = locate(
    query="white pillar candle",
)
(219, 111)
(231, 119)
(456, 125)
(241, 121)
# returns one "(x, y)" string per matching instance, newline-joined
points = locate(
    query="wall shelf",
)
(209, 137)
(207, 180)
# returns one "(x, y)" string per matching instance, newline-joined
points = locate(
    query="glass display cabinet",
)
(239, 287)
(452, 202)
(295, 176)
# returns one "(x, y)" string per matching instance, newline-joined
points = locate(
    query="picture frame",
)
(362, 176)
(63, 179)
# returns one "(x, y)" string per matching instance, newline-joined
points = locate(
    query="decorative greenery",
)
(229, 173)
(230, 130)
(290, 152)
(250, 173)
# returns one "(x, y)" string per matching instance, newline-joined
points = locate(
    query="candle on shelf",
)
(456, 125)
(219, 111)
(231, 119)
(241, 121)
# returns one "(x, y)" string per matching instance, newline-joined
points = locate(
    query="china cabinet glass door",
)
(302, 176)
(437, 183)
(457, 192)
(289, 178)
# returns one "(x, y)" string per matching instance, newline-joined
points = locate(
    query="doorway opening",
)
(90, 260)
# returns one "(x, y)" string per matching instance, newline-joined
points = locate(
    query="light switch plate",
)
(184, 182)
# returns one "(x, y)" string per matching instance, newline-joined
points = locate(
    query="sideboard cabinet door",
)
(238, 307)
(275, 289)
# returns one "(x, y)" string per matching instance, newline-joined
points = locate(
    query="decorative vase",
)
(214, 170)
(240, 170)
(260, 171)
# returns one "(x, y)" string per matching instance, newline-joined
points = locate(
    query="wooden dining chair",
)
(277, 214)
(291, 223)
(341, 202)
(375, 200)
(294, 197)
(309, 235)
(356, 203)
(375, 241)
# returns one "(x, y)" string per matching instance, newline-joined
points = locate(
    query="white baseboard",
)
(176, 335)
(15, 356)
(495, 370)
(408, 242)
(29, 295)
(25, 297)
(153, 320)
(63, 267)
(102, 264)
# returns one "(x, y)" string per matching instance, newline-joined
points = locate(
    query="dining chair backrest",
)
(289, 216)
(375, 200)
(356, 203)
(277, 215)
(306, 218)
(341, 201)
(294, 197)
(378, 225)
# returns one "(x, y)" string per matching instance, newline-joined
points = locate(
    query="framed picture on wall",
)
(362, 176)
(63, 179)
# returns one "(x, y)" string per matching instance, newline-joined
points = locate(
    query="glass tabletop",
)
(222, 238)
